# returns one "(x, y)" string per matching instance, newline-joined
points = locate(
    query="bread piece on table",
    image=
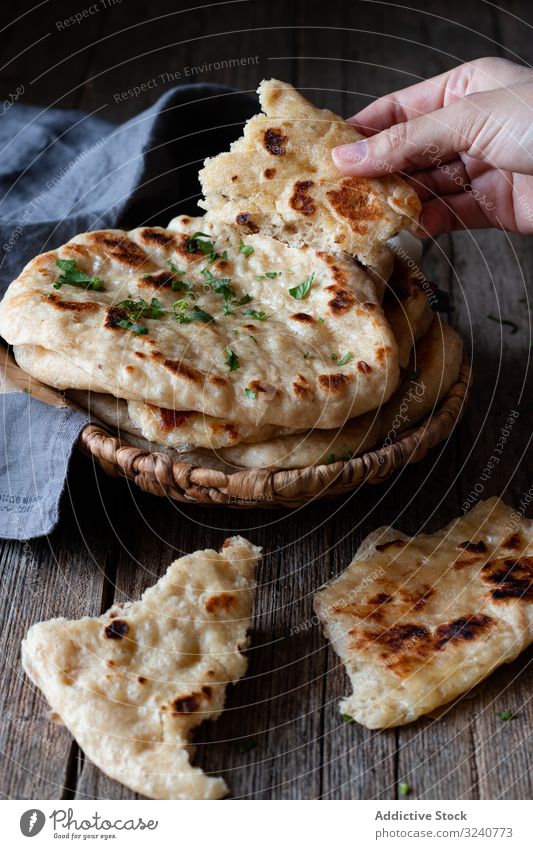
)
(131, 685)
(419, 621)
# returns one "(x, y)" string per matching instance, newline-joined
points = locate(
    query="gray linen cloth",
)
(63, 173)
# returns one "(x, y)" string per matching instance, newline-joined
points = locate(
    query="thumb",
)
(440, 135)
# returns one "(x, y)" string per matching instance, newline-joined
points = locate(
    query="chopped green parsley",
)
(247, 250)
(180, 313)
(259, 315)
(197, 243)
(74, 276)
(141, 308)
(232, 360)
(300, 292)
(505, 715)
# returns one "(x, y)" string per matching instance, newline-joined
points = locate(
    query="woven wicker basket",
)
(158, 474)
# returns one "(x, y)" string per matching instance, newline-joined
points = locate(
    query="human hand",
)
(463, 140)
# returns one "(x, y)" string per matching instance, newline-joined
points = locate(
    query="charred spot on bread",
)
(116, 629)
(274, 141)
(70, 306)
(220, 602)
(186, 704)
(186, 248)
(356, 203)
(160, 280)
(462, 629)
(157, 236)
(179, 368)
(513, 541)
(363, 367)
(268, 173)
(334, 384)
(244, 219)
(342, 302)
(474, 547)
(300, 200)
(513, 578)
(303, 317)
(171, 419)
(120, 248)
(300, 387)
(393, 543)
(394, 639)
(114, 316)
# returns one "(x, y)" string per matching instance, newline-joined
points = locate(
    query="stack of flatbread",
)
(278, 330)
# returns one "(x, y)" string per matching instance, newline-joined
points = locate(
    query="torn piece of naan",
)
(259, 331)
(131, 685)
(419, 621)
(279, 179)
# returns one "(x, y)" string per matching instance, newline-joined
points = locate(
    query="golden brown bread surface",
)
(418, 621)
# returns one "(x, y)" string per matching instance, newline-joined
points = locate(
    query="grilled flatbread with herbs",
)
(419, 621)
(131, 685)
(279, 179)
(431, 372)
(256, 330)
(405, 308)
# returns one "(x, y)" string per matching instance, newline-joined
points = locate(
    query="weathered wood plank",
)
(287, 704)
(59, 576)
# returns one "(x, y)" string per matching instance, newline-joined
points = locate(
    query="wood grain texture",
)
(113, 541)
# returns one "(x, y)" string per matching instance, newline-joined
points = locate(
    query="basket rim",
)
(160, 474)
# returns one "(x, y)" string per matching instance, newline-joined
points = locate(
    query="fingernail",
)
(346, 154)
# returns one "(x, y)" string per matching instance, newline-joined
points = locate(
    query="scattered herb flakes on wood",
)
(506, 322)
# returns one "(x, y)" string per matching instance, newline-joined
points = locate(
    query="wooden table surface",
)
(112, 542)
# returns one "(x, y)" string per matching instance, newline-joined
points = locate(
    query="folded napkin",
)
(63, 173)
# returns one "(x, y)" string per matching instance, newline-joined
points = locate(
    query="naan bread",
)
(279, 179)
(274, 365)
(184, 430)
(432, 371)
(407, 310)
(419, 621)
(131, 685)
